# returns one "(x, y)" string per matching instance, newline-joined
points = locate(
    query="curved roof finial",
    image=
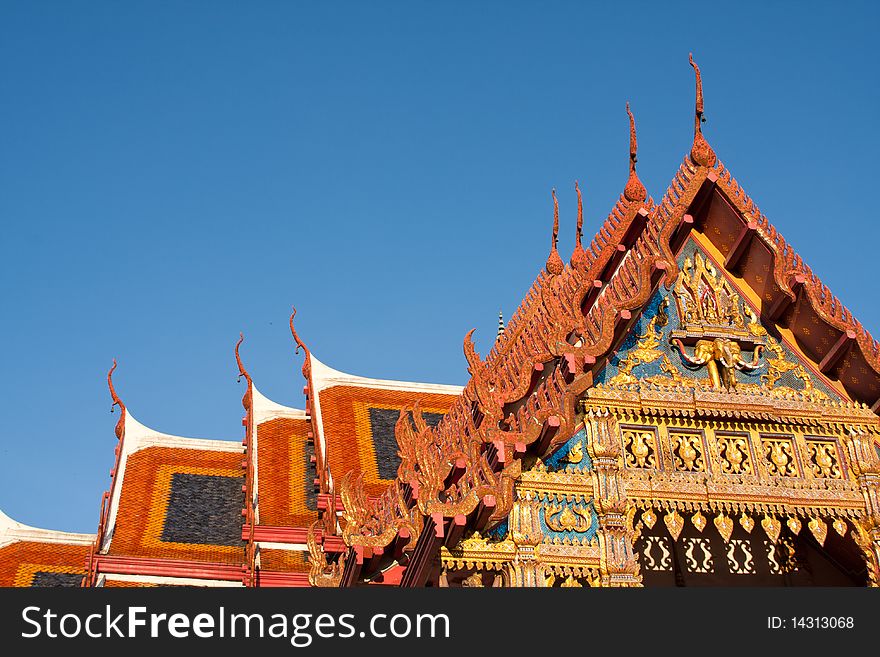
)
(554, 262)
(116, 400)
(634, 190)
(120, 424)
(579, 256)
(299, 343)
(307, 362)
(242, 372)
(701, 153)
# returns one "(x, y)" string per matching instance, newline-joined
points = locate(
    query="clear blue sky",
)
(175, 172)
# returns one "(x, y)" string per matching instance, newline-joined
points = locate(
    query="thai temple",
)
(682, 403)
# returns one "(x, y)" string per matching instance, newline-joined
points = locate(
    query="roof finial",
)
(307, 362)
(242, 372)
(115, 397)
(500, 324)
(299, 343)
(701, 153)
(634, 190)
(120, 423)
(554, 262)
(579, 256)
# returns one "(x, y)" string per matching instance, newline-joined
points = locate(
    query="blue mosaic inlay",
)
(571, 456)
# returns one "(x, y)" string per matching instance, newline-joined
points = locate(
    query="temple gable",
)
(704, 334)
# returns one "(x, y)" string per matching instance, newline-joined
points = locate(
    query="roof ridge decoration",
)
(242, 372)
(307, 363)
(579, 258)
(634, 190)
(555, 265)
(701, 153)
(120, 424)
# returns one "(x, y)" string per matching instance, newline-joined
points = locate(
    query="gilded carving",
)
(734, 453)
(819, 529)
(823, 461)
(674, 523)
(794, 525)
(699, 521)
(640, 448)
(779, 455)
(772, 527)
(568, 518)
(688, 451)
(747, 523)
(724, 525)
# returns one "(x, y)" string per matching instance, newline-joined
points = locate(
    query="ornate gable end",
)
(705, 333)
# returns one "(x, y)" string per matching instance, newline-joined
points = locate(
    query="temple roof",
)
(354, 418)
(30, 556)
(521, 397)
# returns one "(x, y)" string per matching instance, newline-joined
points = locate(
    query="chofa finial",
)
(120, 423)
(634, 190)
(701, 153)
(242, 372)
(579, 256)
(299, 343)
(554, 262)
(113, 395)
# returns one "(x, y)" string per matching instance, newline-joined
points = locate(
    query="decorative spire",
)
(500, 324)
(554, 262)
(299, 343)
(634, 190)
(242, 372)
(579, 256)
(120, 425)
(701, 153)
(113, 395)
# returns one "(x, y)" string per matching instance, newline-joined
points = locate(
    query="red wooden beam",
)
(741, 245)
(485, 509)
(118, 565)
(456, 530)
(273, 579)
(548, 432)
(838, 349)
(419, 566)
(783, 301)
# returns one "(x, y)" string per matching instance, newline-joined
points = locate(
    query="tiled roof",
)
(41, 557)
(182, 504)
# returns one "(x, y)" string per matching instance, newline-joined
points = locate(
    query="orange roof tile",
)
(181, 504)
(285, 474)
(32, 563)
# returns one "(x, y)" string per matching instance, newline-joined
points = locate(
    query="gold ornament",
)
(819, 529)
(839, 526)
(649, 518)
(571, 582)
(772, 527)
(724, 525)
(674, 523)
(699, 521)
(794, 525)
(747, 523)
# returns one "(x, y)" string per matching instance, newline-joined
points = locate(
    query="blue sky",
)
(176, 172)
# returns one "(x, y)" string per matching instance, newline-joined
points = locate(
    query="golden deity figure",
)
(713, 321)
